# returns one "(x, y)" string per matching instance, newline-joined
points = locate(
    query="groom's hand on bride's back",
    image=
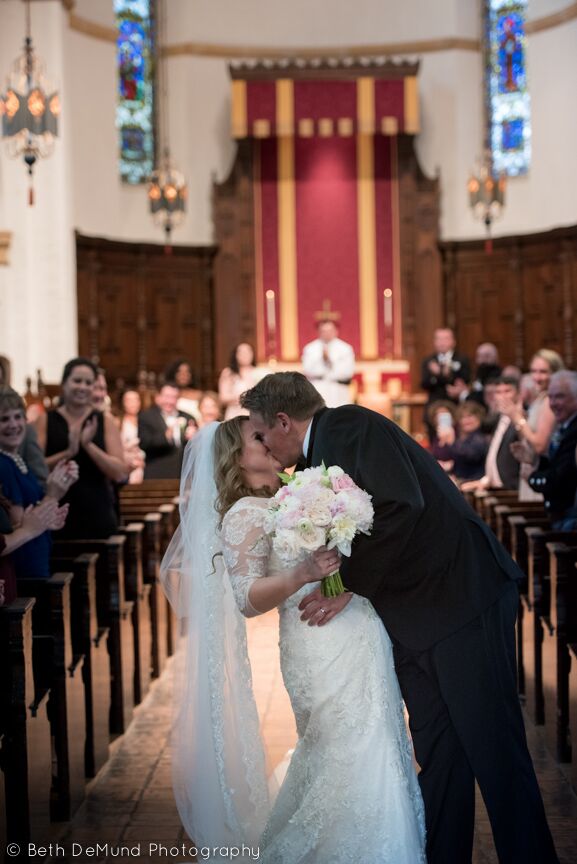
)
(318, 610)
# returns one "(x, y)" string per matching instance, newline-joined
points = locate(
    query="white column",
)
(37, 289)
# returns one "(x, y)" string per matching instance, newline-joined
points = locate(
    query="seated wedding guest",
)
(501, 467)
(164, 431)
(76, 431)
(240, 375)
(21, 489)
(209, 408)
(329, 364)
(556, 474)
(466, 449)
(439, 416)
(180, 373)
(134, 455)
(536, 425)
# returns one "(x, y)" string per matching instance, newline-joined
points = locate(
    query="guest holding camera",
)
(76, 431)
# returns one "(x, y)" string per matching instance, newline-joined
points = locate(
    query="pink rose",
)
(339, 484)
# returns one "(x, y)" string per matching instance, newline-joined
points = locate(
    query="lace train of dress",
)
(351, 792)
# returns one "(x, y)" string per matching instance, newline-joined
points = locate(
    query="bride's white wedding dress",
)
(350, 795)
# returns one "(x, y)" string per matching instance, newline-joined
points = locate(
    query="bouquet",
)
(318, 507)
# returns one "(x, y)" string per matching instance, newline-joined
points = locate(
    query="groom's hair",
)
(289, 392)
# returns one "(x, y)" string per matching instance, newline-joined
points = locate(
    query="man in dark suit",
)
(556, 474)
(445, 590)
(163, 432)
(445, 373)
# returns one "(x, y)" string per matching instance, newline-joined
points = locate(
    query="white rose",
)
(310, 536)
(335, 471)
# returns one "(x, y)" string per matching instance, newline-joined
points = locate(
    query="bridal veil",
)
(219, 773)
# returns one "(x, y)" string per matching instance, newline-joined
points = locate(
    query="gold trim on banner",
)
(366, 106)
(345, 127)
(239, 110)
(261, 326)
(396, 232)
(367, 242)
(261, 128)
(412, 125)
(287, 251)
(326, 127)
(285, 107)
(389, 126)
(306, 127)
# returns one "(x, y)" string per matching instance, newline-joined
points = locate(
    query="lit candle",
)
(388, 307)
(270, 312)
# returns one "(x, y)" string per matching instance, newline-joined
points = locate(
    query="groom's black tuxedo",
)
(445, 590)
(430, 564)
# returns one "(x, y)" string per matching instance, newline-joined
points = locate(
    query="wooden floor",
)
(130, 802)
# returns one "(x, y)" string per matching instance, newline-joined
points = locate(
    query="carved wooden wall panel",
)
(139, 308)
(522, 297)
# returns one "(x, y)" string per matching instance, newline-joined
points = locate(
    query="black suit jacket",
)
(507, 465)
(556, 478)
(436, 385)
(430, 565)
(163, 459)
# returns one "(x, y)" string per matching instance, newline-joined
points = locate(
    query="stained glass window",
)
(135, 108)
(508, 103)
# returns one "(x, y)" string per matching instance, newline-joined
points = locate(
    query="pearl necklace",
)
(20, 463)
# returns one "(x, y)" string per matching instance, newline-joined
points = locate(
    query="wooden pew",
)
(559, 628)
(169, 487)
(58, 668)
(504, 496)
(114, 612)
(91, 640)
(159, 611)
(501, 515)
(573, 710)
(169, 518)
(520, 554)
(27, 752)
(138, 592)
(537, 615)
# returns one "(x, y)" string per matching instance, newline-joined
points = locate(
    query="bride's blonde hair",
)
(228, 475)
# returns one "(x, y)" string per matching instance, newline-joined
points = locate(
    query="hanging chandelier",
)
(167, 196)
(487, 195)
(29, 108)
(167, 191)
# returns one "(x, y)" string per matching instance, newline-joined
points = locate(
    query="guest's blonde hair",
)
(552, 358)
(229, 477)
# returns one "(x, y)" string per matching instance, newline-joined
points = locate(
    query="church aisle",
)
(130, 803)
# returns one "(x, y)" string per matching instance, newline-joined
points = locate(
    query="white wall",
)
(79, 187)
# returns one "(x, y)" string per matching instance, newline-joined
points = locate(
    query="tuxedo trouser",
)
(467, 725)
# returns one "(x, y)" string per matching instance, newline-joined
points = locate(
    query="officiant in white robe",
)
(329, 363)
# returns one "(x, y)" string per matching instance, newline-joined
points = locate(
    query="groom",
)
(446, 592)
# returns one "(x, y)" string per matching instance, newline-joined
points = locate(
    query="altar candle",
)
(388, 307)
(270, 312)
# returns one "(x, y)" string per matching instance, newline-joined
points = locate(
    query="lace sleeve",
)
(246, 550)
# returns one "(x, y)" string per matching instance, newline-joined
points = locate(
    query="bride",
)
(350, 791)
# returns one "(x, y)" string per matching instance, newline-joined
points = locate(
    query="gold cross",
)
(326, 314)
